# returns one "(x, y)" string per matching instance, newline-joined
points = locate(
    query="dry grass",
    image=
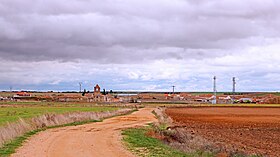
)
(19, 128)
(187, 140)
(163, 119)
(179, 138)
(13, 130)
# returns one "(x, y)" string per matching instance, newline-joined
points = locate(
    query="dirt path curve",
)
(102, 139)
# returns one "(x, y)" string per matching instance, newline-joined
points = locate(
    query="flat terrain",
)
(95, 139)
(11, 113)
(235, 129)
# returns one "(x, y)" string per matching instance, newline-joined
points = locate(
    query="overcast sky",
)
(146, 45)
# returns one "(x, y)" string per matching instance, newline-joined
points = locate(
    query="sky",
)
(140, 45)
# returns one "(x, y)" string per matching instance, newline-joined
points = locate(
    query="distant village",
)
(104, 96)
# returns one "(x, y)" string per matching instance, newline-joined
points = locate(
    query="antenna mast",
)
(80, 83)
(215, 90)
(233, 89)
(173, 87)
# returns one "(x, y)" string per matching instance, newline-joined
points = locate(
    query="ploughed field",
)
(248, 131)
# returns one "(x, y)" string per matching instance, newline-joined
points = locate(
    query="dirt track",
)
(95, 139)
(246, 130)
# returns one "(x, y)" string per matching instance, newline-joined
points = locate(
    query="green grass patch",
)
(53, 103)
(12, 114)
(10, 147)
(141, 144)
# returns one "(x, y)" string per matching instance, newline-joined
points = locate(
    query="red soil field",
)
(249, 131)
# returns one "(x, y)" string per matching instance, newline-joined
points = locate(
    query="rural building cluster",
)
(102, 96)
(205, 98)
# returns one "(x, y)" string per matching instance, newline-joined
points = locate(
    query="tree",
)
(84, 93)
(104, 92)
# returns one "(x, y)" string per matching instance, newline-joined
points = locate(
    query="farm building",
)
(97, 96)
(245, 100)
(22, 94)
(69, 98)
(224, 100)
(270, 99)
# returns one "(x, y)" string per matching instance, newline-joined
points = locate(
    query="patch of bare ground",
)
(96, 139)
(230, 131)
(19, 128)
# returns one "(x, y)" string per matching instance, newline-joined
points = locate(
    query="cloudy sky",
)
(146, 45)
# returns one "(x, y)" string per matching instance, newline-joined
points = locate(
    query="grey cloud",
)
(126, 31)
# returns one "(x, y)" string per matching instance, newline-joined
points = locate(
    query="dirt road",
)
(90, 140)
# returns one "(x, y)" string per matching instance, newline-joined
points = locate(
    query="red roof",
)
(23, 94)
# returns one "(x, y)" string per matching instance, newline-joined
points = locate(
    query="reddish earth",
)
(245, 130)
(102, 139)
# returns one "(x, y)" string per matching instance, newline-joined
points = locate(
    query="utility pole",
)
(80, 83)
(173, 93)
(233, 89)
(215, 90)
(173, 87)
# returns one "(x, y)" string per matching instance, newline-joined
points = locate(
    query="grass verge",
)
(10, 147)
(140, 143)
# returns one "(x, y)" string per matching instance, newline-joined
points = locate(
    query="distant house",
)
(219, 100)
(22, 94)
(97, 96)
(224, 100)
(269, 99)
(45, 98)
(69, 98)
(245, 100)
